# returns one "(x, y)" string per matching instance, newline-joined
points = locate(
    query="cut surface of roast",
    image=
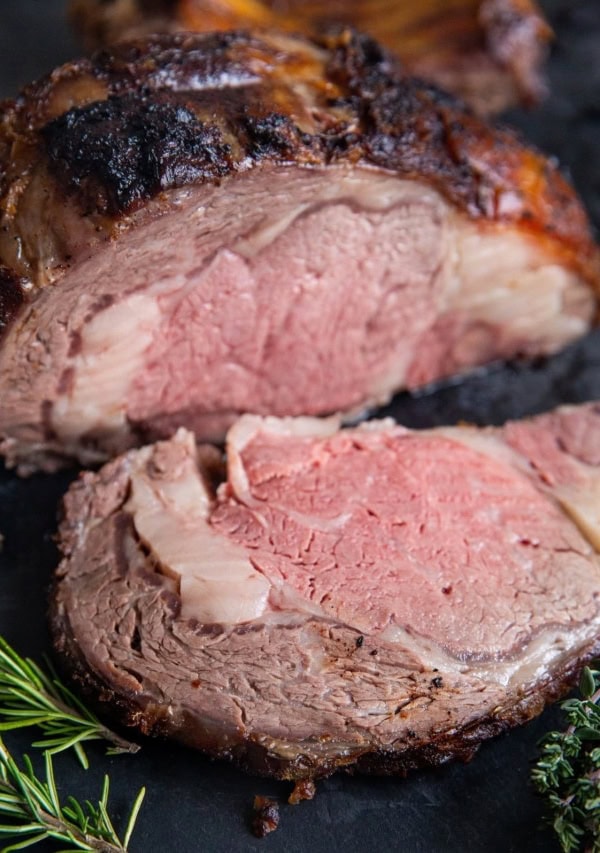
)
(195, 227)
(488, 51)
(372, 598)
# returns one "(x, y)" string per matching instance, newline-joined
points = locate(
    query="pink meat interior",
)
(392, 530)
(330, 307)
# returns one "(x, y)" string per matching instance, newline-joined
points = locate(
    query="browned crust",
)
(106, 135)
(117, 153)
(125, 709)
(464, 43)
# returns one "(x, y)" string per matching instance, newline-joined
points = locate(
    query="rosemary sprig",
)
(567, 772)
(34, 812)
(30, 697)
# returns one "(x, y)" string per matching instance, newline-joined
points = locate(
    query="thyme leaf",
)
(567, 772)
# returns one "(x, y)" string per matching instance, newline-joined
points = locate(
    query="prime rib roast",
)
(198, 226)
(370, 598)
(488, 51)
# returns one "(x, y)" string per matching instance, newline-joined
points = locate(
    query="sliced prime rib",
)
(489, 52)
(371, 598)
(198, 226)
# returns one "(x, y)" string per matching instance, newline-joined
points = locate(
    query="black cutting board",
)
(196, 805)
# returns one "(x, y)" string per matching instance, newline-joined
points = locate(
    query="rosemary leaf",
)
(34, 812)
(31, 697)
(135, 810)
(29, 842)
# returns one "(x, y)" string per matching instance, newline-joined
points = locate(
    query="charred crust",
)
(120, 152)
(358, 63)
(183, 63)
(172, 110)
(275, 135)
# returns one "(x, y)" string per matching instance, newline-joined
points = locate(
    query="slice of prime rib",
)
(489, 52)
(371, 598)
(194, 227)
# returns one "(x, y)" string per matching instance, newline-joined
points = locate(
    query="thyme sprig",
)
(34, 812)
(30, 697)
(567, 772)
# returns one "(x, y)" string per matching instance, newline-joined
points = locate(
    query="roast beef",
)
(488, 51)
(370, 598)
(194, 227)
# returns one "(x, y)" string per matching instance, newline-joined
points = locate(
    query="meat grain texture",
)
(490, 52)
(370, 599)
(197, 226)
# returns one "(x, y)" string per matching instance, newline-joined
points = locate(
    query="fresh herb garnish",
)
(33, 811)
(30, 697)
(567, 773)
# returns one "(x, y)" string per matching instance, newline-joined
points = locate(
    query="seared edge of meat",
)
(101, 138)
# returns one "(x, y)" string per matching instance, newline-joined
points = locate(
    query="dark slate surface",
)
(196, 805)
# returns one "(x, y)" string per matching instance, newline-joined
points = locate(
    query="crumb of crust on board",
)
(265, 818)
